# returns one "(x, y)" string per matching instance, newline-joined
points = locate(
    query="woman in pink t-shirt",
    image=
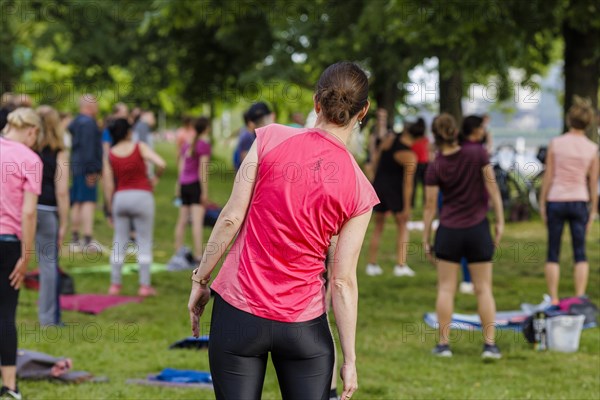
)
(570, 193)
(21, 186)
(298, 191)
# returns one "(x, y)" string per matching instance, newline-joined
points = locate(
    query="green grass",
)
(393, 344)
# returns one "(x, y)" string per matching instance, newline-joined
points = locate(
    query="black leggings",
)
(10, 254)
(239, 345)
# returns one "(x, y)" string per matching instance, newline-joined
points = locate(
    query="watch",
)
(202, 282)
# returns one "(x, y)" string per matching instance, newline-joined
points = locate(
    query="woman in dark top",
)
(463, 174)
(53, 212)
(395, 165)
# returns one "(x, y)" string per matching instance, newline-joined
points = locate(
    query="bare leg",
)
(9, 376)
(582, 270)
(552, 276)
(486, 305)
(87, 218)
(447, 276)
(402, 241)
(198, 213)
(184, 216)
(75, 217)
(376, 237)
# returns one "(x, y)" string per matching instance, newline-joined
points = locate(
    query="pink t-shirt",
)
(307, 187)
(573, 155)
(21, 172)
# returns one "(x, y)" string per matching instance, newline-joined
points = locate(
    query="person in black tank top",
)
(52, 215)
(395, 165)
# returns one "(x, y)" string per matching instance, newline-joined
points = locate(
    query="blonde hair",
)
(580, 114)
(23, 117)
(52, 135)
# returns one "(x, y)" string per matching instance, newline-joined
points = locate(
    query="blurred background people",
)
(194, 159)
(52, 213)
(570, 194)
(21, 186)
(395, 165)
(259, 114)
(462, 174)
(128, 191)
(86, 166)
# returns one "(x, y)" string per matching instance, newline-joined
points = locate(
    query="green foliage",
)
(179, 54)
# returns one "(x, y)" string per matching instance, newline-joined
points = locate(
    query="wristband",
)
(196, 278)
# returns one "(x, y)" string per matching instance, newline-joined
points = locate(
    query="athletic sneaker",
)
(466, 288)
(114, 289)
(374, 270)
(146, 291)
(6, 393)
(95, 246)
(404, 270)
(491, 352)
(442, 350)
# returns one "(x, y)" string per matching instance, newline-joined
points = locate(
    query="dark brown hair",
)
(444, 129)
(201, 124)
(580, 114)
(342, 91)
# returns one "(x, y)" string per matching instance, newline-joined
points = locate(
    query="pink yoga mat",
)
(94, 303)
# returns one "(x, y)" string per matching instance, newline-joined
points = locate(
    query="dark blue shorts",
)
(577, 214)
(81, 192)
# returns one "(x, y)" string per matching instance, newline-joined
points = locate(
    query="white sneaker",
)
(374, 270)
(466, 288)
(404, 270)
(95, 247)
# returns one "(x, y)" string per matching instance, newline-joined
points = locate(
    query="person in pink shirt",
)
(570, 193)
(194, 157)
(21, 185)
(298, 191)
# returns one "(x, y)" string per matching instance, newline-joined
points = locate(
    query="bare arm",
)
(28, 226)
(330, 258)
(431, 200)
(345, 293)
(593, 188)
(489, 178)
(150, 155)
(108, 185)
(547, 181)
(229, 222)
(61, 185)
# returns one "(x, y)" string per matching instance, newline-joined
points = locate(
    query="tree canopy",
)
(179, 54)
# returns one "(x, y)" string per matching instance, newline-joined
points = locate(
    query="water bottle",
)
(539, 330)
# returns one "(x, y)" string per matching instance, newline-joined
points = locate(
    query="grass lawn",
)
(393, 343)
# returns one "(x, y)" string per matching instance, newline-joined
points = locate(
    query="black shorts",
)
(190, 193)
(474, 243)
(391, 198)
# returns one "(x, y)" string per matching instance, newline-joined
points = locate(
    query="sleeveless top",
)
(48, 196)
(390, 173)
(130, 172)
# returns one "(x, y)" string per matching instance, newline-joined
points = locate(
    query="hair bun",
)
(342, 92)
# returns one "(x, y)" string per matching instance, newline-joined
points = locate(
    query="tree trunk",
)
(386, 96)
(451, 92)
(581, 69)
